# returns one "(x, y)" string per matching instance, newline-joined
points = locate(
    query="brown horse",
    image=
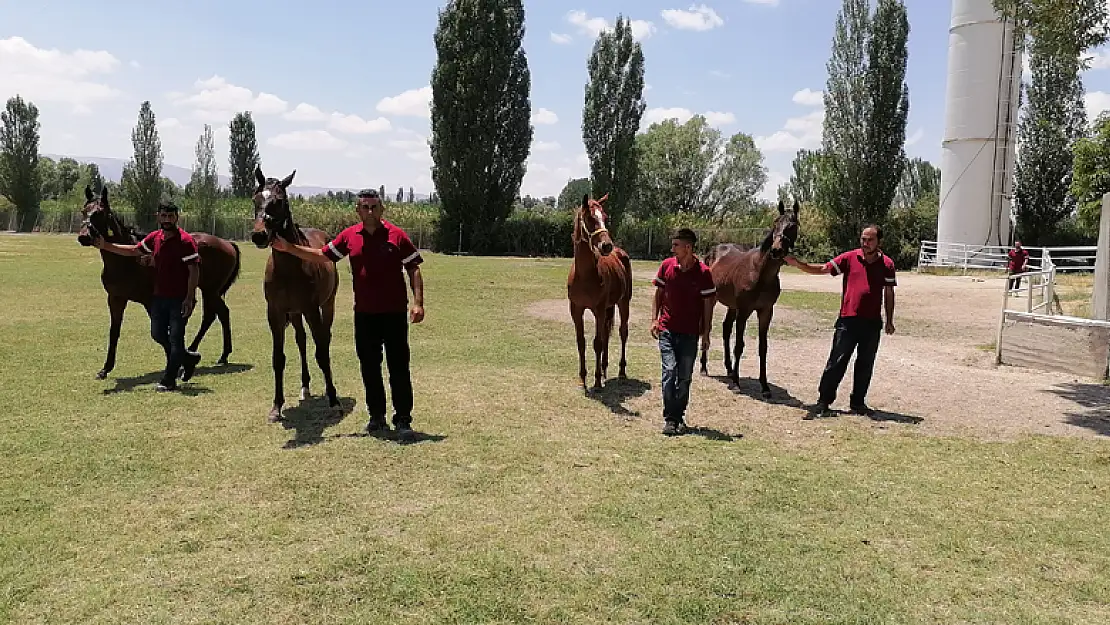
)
(294, 289)
(747, 281)
(601, 280)
(131, 278)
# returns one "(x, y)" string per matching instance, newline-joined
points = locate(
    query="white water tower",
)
(980, 122)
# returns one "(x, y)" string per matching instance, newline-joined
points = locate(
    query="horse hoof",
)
(275, 414)
(100, 375)
(305, 393)
(222, 362)
(766, 394)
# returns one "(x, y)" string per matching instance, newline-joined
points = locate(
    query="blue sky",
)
(340, 88)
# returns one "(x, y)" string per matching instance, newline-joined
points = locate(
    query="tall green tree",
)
(1065, 28)
(142, 176)
(919, 178)
(866, 106)
(243, 155)
(19, 159)
(572, 193)
(204, 184)
(69, 171)
(1052, 121)
(96, 180)
(381, 193)
(481, 112)
(690, 168)
(611, 116)
(803, 182)
(48, 178)
(1091, 174)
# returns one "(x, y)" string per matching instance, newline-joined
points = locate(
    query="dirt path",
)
(938, 377)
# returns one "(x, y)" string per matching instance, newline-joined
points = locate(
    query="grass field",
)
(526, 501)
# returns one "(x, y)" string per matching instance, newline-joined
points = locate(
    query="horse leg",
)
(116, 306)
(610, 317)
(302, 347)
(741, 319)
(277, 323)
(209, 308)
(224, 313)
(576, 313)
(321, 336)
(726, 334)
(765, 315)
(624, 305)
(600, 323)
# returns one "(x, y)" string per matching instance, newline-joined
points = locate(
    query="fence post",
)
(1001, 323)
(460, 237)
(1029, 295)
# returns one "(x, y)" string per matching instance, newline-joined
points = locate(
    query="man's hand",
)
(655, 329)
(188, 305)
(790, 260)
(705, 341)
(416, 315)
(890, 327)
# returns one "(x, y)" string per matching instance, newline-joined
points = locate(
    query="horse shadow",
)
(1094, 399)
(309, 418)
(750, 388)
(616, 392)
(128, 384)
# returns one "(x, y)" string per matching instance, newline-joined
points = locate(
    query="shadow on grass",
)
(309, 418)
(616, 392)
(1094, 399)
(879, 416)
(750, 388)
(712, 434)
(126, 385)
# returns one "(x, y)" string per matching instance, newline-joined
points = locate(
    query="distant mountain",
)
(112, 169)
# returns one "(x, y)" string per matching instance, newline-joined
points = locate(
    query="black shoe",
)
(192, 359)
(821, 410)
(377, 425)
(863, 410)
(406, 433)
(674, 428)
(165, 388)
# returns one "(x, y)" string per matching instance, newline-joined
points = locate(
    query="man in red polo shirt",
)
(380, 254)
(176, 274)
(1019, 260)
(681, 312)
(868, 283)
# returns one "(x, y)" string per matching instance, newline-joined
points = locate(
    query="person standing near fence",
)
(681, 311)
(868, 283)
(176, 275)
(380, 254)
(1019, 262)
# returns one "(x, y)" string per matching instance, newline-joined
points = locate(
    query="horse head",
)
(590, 222)
(272, 215)
(98, 220)
(784, 232)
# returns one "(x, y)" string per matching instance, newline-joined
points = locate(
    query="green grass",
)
(530, 503)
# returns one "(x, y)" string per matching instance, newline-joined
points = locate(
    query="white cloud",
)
(308, 140)
(682, 115)
(216, 100)
(545, 146)
(544, 116)
(305, 113)
(719, 74)
(1098, 60)
(135, 64)
(1096, 102)
(50, 75)
(697, 18)
(770, 3)
(716, 118)
(809, 97)
(594, 26)
(560, 38)
(917, 135)
(412, 103)
(356, 125)
(770, 192)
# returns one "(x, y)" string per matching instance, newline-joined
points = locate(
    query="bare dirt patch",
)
(935, 376)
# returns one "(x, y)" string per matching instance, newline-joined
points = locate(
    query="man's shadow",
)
(879, 416)
(128, 384)
(616, 392)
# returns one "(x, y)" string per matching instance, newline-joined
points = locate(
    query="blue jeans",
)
(679, 352)
(167, 328)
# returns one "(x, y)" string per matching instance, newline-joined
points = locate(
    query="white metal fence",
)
(994, 257)
(1035, 290)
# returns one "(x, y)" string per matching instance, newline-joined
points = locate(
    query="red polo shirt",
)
(172, 257)
(684, 294)
(863, 283)
(377, 263)
(1017, 259)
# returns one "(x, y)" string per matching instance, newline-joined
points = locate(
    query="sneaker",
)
(162, 387)
(406, 433)
(821, 410)
(863, 410)
(192, 359)
(377, 425)
(674, 428)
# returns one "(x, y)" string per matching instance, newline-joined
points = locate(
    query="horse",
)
(600, 280)
(131, 278)
(294, 289)
(747, 280)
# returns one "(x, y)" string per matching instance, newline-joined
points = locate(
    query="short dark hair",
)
(685, 234)
(370, 194)
(877, 228)
(167, 206)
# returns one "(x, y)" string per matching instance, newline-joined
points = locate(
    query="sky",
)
(339, 89)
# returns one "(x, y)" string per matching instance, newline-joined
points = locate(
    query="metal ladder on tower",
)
(1002, 181)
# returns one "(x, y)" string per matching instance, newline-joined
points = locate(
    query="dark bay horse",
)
(131, 278)
(294, 289)
(747, 281)
(600, 280)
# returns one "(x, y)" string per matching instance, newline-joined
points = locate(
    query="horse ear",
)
(88, 193)
(586, 200)
(259, 177)
(104, 196)
(796, 207)
(288, 180)
(782, 209)
(603, 198)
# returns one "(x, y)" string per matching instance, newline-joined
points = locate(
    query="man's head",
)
(369, 206)
(682, 243)
(871, 238)
(1017, 245)
(167, 215)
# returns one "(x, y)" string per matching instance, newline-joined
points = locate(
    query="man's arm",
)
(707, 320)
(888, 301)
(656, 308)
(191, 290)
(809, 268)
(302, 252)
(416, 283)
(122, 250)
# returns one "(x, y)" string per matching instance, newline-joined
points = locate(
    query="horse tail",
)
(627, 262)
(610, 315)
(234, 272)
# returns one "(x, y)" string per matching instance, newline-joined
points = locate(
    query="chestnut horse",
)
(747, 281)
(131, 278)
(294, 289)
(600, 280)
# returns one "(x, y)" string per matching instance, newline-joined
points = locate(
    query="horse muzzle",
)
(85, 240)
(261, 238)
(605, 248)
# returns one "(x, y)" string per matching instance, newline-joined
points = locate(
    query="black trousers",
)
(373, 332)
(852, 335)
